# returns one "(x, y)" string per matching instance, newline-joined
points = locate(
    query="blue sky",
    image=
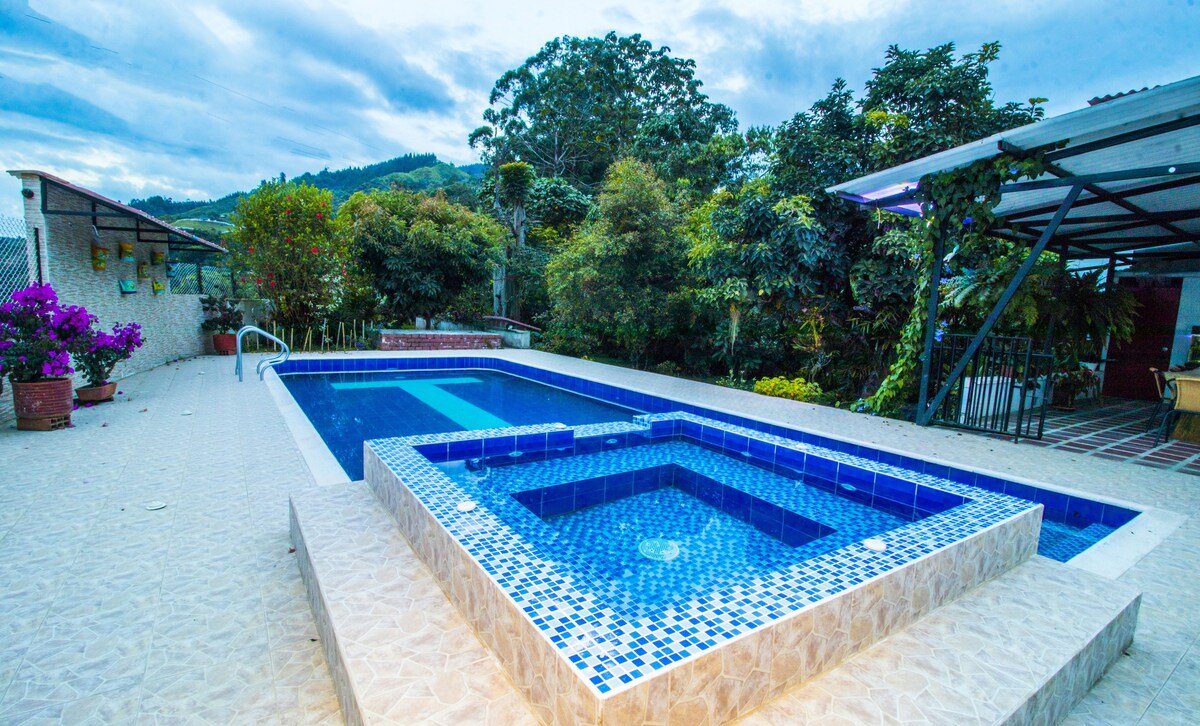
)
(197, 99)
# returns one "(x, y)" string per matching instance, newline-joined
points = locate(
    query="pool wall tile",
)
(723, 681)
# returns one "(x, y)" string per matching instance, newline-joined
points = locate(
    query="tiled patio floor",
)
(1116, 430)
(194, 613)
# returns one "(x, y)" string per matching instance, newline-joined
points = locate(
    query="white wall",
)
(1189, 315)
(170, 323)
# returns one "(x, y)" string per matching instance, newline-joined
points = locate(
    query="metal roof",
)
(1137, 156)
(145, 227)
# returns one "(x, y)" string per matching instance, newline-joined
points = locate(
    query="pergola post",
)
(935, 277)
(925, 412)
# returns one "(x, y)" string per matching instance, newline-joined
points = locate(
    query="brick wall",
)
(438, 341)
(170, 323)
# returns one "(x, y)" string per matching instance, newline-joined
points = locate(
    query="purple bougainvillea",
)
(38, 336)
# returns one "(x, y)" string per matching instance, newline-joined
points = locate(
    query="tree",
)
(621, 280)
(917, 103)
(580, 104)
(422, 252)
(283, 239)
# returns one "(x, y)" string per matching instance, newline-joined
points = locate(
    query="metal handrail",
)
(265, 363)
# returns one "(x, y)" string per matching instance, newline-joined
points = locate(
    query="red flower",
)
(243, 279)
(250, 249)
(270, 274)
(258, 281)
(318, 215)
(287, 211)
(288, 240)
(314, 250)
(272, 283)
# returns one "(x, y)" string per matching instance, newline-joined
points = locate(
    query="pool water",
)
(349, 408)
(648, 525)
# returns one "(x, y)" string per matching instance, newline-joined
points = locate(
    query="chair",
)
(1187, 401)
(1166, 396)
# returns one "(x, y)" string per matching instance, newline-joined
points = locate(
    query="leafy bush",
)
(796, 389)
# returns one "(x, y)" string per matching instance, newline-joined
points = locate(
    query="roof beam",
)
(1089, 183)
(1125, 194)
(1125, 138)
(1067, 179)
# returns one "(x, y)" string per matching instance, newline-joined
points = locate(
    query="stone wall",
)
(170, 323)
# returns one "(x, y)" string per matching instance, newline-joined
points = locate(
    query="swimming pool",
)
(734, 557)
(352, 400)
(347, 408)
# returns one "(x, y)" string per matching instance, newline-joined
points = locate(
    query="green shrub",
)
(666, 368)
(796, 389)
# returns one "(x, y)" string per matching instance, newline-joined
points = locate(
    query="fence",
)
(14, 261)
(1003, 389)
(330, 335)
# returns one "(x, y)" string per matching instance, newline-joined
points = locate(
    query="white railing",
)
(265, 363)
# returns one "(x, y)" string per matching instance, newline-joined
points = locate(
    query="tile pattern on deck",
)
(976, 660)
(190, 614)
(395, 641)
(1116, 430)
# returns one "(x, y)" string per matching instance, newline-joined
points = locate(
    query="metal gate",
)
(1003, 389)
(14, 257)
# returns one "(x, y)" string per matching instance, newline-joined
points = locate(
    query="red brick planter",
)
(438, 340)
(43, 405)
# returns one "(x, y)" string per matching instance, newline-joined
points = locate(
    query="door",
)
(1127, 372)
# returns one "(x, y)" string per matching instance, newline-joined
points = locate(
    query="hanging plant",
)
(157, 258)
(99, 257)
(126, 251)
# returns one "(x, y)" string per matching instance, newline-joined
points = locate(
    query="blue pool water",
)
(349, 408)
(663, 522)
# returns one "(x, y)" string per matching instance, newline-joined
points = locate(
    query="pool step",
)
(398, 651)
(1022, 648)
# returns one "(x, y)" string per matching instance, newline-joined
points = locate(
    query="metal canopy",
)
(1136, 159)
(108, 215)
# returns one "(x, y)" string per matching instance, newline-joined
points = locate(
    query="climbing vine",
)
(961, 203)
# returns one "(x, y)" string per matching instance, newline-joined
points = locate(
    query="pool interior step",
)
(398, 651)
(1022, 648)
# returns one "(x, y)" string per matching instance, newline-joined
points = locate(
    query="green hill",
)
(419, 172)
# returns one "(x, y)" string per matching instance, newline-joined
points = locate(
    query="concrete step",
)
(399, 652)
(1023, 648)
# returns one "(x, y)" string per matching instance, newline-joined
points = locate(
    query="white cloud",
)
(200, 99)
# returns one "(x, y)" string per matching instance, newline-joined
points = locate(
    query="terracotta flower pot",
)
(224, 343)
(43, 405)
(96, 394)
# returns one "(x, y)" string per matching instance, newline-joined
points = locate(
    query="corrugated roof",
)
(1154, 212)
(163, 227)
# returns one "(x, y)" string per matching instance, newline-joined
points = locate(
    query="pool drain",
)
(659, 550)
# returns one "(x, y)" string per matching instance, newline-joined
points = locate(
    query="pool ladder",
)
(280, 357)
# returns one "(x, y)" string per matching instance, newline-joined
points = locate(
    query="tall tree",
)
(620, 282)
(917, 103)
(580, 104)
(422, 252)
(283, 238)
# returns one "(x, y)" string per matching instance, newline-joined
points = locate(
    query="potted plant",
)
(222, 319)
(37, 337)
(1070, 382)
(100, 354)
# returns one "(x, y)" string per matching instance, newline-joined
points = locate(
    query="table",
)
(1188, 427)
